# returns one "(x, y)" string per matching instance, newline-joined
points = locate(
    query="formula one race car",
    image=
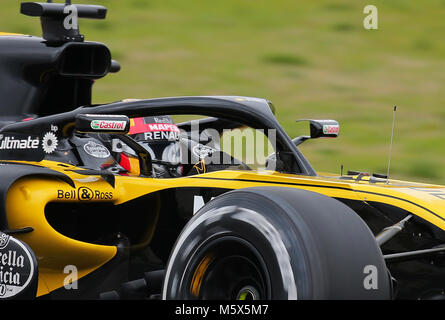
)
(188, 197)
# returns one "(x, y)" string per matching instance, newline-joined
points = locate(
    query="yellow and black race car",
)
(129, 200)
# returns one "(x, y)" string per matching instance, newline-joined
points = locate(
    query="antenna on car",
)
(390, 145)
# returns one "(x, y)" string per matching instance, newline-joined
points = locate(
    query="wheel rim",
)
(248, 293)
(228, 268)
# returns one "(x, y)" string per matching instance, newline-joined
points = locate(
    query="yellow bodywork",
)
(26, 200)
(10, 34)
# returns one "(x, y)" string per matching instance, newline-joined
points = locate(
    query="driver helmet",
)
(160, 137)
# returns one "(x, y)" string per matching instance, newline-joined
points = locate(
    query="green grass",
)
(313, 59)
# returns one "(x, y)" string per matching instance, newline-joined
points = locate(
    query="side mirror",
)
(319, 129)
(324, 128)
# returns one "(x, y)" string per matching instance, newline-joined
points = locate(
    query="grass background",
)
(313, 59)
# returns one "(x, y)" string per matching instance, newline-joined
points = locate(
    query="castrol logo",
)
(108, 125)
(331, 129)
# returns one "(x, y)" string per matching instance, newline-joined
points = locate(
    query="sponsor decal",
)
(331, 129)
(4, 239)
(49, 142)
(84, 194)
(202, 151)
(162, 127)
(20, 147)
(112, 125)
(54, 128)
(96, 150)
(28, 143)
(151, 124)
(13, 143)
(162, 120)
(162, 135)
(16, 266)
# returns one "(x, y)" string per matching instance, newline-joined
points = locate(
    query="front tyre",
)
(275, 243)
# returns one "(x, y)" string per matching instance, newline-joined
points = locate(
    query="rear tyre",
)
(276, 243)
